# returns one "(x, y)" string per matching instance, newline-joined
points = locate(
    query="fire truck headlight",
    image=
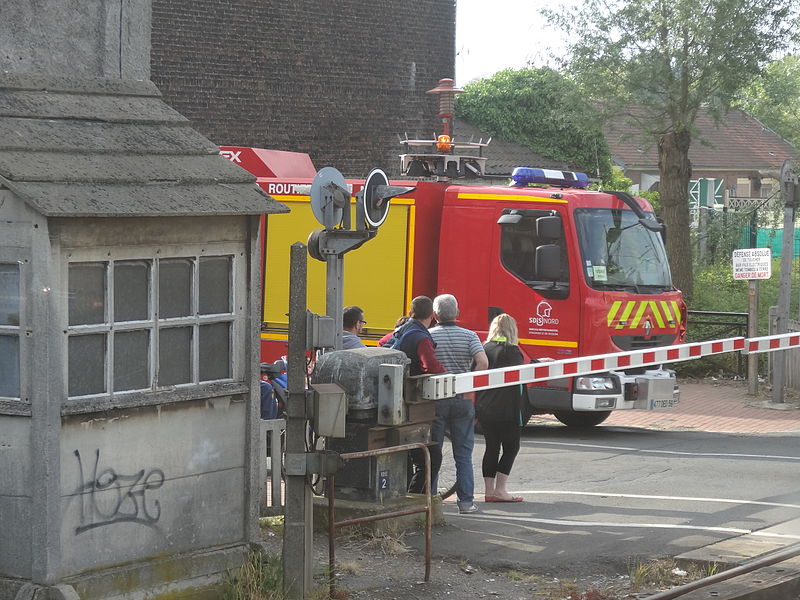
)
(590, 384)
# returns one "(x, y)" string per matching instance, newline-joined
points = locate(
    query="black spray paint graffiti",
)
(108, 498)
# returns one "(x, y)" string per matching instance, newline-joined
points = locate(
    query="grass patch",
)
(259, 578)
(552, 588)
(642, 577)
(520, 577)
(665, 573)
(349, 567)
(388, 542)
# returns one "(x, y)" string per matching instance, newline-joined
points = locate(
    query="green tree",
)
(774, 98)
(669, 58)
(542, 110)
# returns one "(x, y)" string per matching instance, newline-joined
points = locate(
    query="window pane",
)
(215, 353)
(175, 288)
(9, 366)
(87, 364)
(87, 293)
(131, 290)
(518, 248)
(131, 360)
(175, 356)
(215, 285)
(9, 295)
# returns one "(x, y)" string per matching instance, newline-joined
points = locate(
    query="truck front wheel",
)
(581, 419)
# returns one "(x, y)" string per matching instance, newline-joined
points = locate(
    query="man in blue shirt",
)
(352, 324)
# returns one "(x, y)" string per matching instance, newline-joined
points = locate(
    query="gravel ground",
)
(383, 567)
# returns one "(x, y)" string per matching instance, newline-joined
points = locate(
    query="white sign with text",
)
(752, 263)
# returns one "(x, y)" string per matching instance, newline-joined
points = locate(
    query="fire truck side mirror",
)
(548, 262)
(549, 228)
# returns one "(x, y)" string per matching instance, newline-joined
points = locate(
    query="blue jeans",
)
(456, 415)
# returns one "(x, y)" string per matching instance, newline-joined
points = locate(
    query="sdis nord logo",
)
(543, 310)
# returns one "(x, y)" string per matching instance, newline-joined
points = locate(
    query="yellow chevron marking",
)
(657, 313)
(676, 312)
(626, 313)
(612, 312)
(667, 311)
(639, 313)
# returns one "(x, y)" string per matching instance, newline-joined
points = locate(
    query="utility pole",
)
(790, 192)
(752, 331)
(298, 521)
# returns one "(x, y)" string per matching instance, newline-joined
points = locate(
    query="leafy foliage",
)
(774, 98)
(542, 110)
(716, 290)
(669, 58)
(616, 181)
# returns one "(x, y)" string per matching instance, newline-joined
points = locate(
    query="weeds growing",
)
(259, 578)
(665, 573)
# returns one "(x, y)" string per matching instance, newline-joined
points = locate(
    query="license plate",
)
(663, 403)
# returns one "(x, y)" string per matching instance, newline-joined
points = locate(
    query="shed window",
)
(9, 330)
(149, 323)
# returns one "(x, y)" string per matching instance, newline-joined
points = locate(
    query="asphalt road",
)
(597, 499)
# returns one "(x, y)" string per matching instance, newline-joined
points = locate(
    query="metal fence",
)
(270, 467)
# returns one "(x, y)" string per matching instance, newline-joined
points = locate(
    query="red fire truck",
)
(583, 272)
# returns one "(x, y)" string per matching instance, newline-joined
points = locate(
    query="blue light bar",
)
(523, 176)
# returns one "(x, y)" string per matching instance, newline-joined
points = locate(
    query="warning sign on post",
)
(752, 263)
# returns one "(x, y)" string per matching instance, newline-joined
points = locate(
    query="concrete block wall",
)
(15, 496)
(337, 80)
(149, 481)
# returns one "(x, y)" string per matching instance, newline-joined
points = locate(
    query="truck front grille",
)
(638, 342)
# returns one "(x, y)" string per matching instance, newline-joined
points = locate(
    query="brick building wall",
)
(338, 79)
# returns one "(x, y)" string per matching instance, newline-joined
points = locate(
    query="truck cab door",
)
(532, 281)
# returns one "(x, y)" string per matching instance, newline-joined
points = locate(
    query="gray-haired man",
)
(459, 350)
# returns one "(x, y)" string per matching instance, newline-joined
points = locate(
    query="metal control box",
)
(330, 409)
(391, 409)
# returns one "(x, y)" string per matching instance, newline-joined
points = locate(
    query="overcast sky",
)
(492, 35)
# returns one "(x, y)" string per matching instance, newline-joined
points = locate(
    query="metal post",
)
(298, 524)
(752, 331)
(702, 230)
(789, 190)
(333, 525)
(334, 296)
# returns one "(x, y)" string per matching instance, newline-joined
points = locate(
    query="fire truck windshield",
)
(621, 254)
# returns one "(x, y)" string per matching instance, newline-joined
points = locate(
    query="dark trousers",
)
(497, 436)
(416, 467)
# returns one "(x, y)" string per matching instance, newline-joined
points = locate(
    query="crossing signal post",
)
(790, 190)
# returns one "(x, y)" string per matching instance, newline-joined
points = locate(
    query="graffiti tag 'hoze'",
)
(107, 497)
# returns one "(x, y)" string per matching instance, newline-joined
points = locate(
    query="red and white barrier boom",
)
(770, 343)
(445, 386)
